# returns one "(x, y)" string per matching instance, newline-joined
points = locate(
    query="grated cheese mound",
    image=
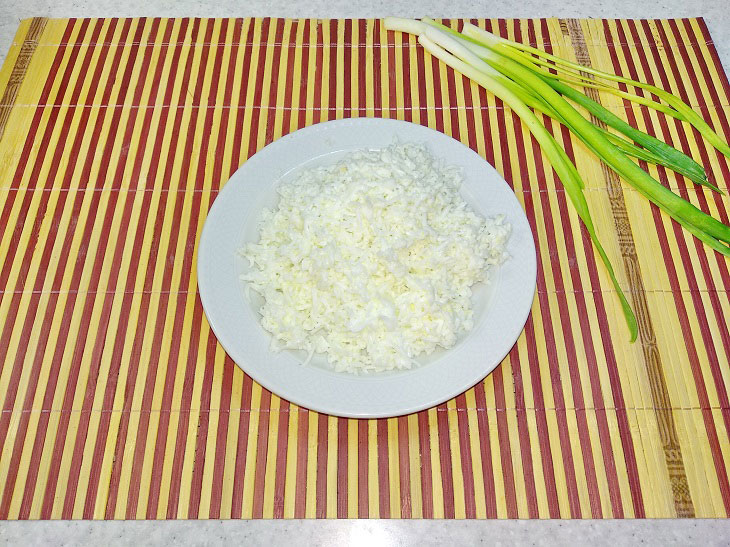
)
(371, 260)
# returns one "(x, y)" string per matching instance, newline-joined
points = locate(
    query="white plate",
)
(501, 308)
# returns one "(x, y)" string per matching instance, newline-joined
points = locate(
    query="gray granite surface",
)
(715, 12)
(393, 532)
(373, 533)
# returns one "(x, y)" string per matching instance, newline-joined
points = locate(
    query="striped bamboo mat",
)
(117, 402)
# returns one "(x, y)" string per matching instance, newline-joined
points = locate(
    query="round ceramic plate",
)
(500, 308)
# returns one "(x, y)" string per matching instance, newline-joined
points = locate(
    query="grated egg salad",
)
(371, 261)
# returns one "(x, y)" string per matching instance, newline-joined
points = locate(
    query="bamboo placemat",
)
(117, 402)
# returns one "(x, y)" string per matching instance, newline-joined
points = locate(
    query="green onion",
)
(669, 156)
(466, 62)
(517, 75)
(592, 84)
(658, 152)
(505, 46)
(671, 203)
(706, 239)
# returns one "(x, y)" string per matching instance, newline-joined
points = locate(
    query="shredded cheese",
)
(371, 260)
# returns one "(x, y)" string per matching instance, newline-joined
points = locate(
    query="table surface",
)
(365, 532)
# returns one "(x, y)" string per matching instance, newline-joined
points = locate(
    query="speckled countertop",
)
(715, 12)
(367, 533)
(392, 532)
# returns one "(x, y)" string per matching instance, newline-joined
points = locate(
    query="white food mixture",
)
(371, 261)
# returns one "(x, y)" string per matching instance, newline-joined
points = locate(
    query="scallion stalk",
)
(463, 60)
(505, 46)
(612, 156)
(517, 75)
(662, 153)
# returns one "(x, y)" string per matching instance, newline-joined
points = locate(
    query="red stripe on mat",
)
(347, 69)
(180, 311)
(421, 115)
(461, 405)
(11, 394)
(722, 322)
(95, 361)
(262, 449)
(553, 360)
(444, 443)
(201, 442)
(281, 457)
(501, 149)
(109, 392)
(671, 270)
(515, 361)
(241, 450)
(684, 254)
(304, 83)
(376, 68)
(80, 260)
(221, 443)
(40, 349)
(363, 507)
(154, 360)
(467, 471)
(76, 363)
(361, 70)
(318, 75)
(405, 54)
(300, 500)
(141, 328)
(587, 339)
(321, 479)
(265, 405)
(289, 82)
(424, 442)
(238, 131)
(447, 472)
(333, 72)
(549, 338)
(485, 451)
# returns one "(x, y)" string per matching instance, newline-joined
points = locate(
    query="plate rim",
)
(283, 391)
